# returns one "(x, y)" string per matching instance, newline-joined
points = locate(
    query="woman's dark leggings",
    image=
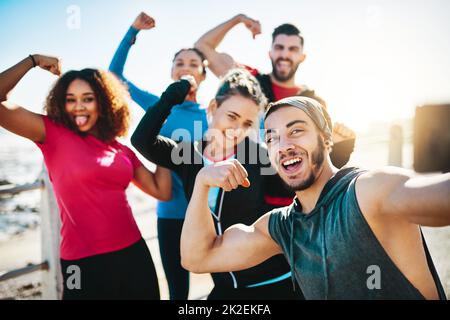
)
(169, 234)
(124, 274)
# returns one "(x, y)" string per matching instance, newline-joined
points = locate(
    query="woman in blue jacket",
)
(188, 116)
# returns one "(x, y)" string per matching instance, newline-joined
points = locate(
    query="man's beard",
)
(317, 159)
(282, 78)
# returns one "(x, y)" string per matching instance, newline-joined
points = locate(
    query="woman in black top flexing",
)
(233, 113)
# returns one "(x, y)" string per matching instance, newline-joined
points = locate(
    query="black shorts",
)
(124, 274)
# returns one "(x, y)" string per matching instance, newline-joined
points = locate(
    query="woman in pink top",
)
(90, 171)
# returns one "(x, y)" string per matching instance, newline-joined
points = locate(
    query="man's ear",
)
(328, 144)
(327, 141)
(302, 58)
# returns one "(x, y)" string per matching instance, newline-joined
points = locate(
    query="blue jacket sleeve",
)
(143, 98)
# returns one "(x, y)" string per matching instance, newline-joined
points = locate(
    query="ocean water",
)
(20, 163)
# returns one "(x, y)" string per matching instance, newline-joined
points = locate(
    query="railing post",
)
(50, 241)
(395, 146)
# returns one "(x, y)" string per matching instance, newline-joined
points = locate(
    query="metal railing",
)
(12, 190)
(51, 279)
(50, 224)
(43, 266)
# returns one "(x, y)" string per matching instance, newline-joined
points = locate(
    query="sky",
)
(370, 60)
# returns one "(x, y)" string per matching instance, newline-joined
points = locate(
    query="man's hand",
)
(143, 22)
(253, 25)
(51, 64)
(227, 175)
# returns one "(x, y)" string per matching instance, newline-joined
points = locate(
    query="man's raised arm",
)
(240, 247)
(220, 63)
(421, 200)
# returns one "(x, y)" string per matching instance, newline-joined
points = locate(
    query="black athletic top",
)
(243, 205)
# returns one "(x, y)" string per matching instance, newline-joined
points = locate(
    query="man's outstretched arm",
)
(397, 192)
(220, 63)
(240, 247)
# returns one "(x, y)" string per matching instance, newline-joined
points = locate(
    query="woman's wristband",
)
(32, 59)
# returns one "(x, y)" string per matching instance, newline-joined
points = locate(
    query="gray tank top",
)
(333, 252)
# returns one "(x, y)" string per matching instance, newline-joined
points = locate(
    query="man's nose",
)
(285, 145)
(285, 53)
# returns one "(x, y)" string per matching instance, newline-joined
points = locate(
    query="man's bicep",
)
(382, 192)
(421, 200)
(393, 194)
(219, 63)
(242, 247)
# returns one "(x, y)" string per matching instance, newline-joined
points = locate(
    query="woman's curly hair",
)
(110, 93)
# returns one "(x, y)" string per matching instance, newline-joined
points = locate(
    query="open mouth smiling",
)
(291, 165)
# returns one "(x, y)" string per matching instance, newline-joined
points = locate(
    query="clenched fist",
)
(251, 24)
(192, 81)
(228, 175)
(143, 22)
(51, 64)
